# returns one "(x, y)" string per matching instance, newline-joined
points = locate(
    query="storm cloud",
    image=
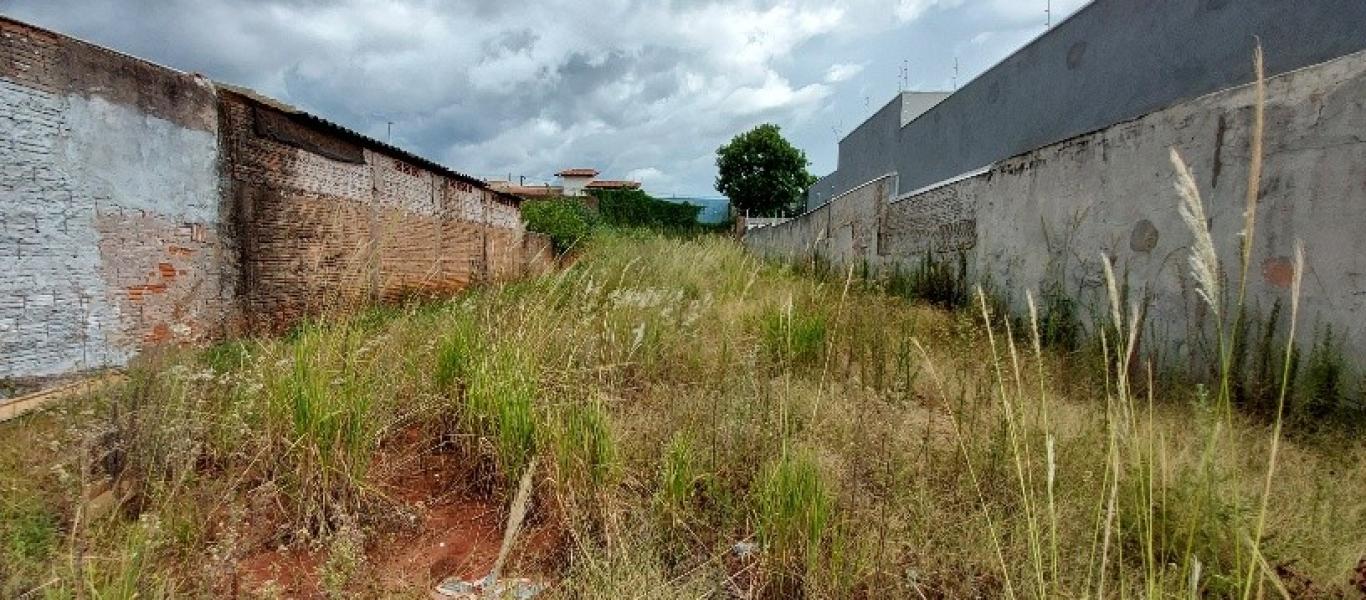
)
(641, 89)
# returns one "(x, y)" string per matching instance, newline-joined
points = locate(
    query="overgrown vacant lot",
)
(698, 423)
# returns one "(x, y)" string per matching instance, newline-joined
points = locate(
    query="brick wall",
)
(142, 206)
(328, 227)
(108, 206)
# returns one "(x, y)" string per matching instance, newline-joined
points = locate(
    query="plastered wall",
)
(109, 206)
(1044, 219)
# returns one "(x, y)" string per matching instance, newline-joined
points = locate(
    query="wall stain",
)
(1218, 150)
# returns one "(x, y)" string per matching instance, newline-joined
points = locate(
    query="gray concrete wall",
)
(1044, 218)
(1112, 61)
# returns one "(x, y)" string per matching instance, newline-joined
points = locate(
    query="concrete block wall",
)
(143, 206)
(1043, 219)
(109, 206)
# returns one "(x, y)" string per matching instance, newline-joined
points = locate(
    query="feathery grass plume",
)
(1113, 290)
(1296, 280)
(1020, 451)
(1254, 172)
(1204, 261)
(1046, 425)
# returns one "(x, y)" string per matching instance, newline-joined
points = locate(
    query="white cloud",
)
(842, 72)
(910, 10)
(650, 177)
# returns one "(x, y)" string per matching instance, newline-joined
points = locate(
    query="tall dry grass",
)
(703, 423)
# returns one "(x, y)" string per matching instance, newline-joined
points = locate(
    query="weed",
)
(1325, 393)
(499, 407)
(29, 532)
(456, 354)
(939, 283)
(345, 555)
(794, 337)
(585, 448)
(792, 507)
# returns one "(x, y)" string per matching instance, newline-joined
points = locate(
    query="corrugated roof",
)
(353, 135)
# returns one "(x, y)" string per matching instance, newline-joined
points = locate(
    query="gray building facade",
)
(1112, 61)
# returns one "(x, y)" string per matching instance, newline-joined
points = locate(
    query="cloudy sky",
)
(638, 89)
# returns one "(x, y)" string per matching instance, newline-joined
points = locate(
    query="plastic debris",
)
(744, 549)
(461, 589)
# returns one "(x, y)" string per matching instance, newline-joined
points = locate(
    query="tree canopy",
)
(762, 173)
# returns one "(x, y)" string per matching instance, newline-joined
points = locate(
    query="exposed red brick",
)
(159, 333)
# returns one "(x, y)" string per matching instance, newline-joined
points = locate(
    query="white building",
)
(573, 181)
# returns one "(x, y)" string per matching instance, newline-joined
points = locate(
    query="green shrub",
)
(566, 221)
(1326, 393)
(634, 208)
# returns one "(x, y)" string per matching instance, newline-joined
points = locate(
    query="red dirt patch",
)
(449, 532)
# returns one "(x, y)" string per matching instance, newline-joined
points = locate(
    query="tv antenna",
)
(388, 126)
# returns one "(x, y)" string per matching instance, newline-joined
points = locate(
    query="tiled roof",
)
(578, 173)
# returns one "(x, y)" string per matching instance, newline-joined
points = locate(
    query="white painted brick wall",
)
(66, 162)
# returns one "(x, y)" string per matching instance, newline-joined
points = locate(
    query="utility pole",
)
(955, 73)
(1048, 14)
(388, 131)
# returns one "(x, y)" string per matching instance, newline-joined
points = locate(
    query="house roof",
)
(578, 172)
(611, 184)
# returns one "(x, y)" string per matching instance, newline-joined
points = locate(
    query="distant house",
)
(573, 181)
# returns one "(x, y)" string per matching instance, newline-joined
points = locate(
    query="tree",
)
(761, 173)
